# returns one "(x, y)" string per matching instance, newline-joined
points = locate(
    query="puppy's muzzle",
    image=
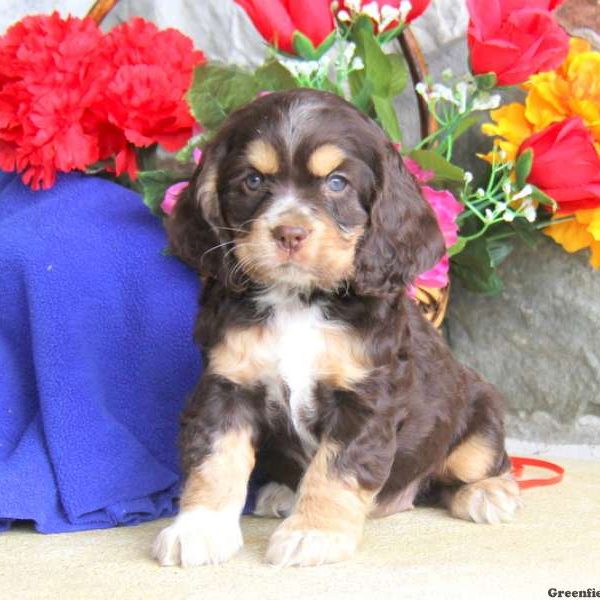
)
(290, 237)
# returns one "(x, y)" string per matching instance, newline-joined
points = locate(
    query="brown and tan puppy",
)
(307, 228)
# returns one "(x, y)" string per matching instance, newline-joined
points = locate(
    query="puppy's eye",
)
(253, 181)
(336, 183)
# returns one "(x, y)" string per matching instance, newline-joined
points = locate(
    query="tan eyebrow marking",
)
(325, 159)
(263, 157)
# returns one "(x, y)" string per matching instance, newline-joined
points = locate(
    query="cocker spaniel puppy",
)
(307, 228)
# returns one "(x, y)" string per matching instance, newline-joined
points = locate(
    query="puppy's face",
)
(301, 190)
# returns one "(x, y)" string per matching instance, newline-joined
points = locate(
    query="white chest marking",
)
(299, 341)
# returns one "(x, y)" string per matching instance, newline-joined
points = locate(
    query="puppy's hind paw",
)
(198, 537)
(493, 500)
(274, 500)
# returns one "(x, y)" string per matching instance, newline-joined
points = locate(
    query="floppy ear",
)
(402, 239)
(196, 229)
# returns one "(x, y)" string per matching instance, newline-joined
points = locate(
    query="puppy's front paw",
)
(198, 537)
(296, 544)
(493, 500)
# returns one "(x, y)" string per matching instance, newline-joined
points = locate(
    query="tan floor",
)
(555, 542)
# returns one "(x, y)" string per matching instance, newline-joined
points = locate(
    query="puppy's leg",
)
(476, 481)
(218, 453)
(328, 518)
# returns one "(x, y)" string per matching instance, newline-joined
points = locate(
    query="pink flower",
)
(171, 196)
(446, 209)
(419, 173)
(197, 155)
(174, 191)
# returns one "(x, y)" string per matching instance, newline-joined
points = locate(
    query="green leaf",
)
(303, 46)
(527, 231)
(154, 184)
(378, 68)
(523, 167)
(499, 250)
(543, 198)
(399, 74)
(326, 44)
(475, 269)
(387, 36)
(457, 247)
(432, 161)
(386, 113)
(465, 124)
(361, 90)
(486, 81)
(217, 90)
(272, 76)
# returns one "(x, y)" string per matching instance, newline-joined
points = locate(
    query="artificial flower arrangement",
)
(111, 97)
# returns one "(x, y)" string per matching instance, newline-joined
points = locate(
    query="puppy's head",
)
(299, 189)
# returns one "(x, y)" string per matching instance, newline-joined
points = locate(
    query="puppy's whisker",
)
(215, 248)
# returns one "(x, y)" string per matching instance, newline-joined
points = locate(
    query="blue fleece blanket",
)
(96, 357)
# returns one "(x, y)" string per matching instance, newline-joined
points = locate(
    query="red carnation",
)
(277, 20)
(143, 102)
(49, 81)
(70, 97)
(566, 165)
(515, 38)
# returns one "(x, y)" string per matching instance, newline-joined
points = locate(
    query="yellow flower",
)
(581, 232)
(511, 126)
(572, 90)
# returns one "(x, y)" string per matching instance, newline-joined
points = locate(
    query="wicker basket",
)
(433, 301)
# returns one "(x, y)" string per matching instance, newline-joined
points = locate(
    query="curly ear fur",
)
(196, 230)
(403, 238)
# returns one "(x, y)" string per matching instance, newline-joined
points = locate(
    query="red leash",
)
(519, 463)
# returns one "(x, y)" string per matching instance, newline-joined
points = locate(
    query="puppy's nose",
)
(290, 237)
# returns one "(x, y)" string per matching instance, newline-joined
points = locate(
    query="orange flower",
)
(582, 232)
(571, 90)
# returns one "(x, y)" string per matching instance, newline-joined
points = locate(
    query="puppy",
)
(307, 228)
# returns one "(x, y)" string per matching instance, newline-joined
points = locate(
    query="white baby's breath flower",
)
(489, 215)
(443, 91)
(486, 101)
(468, 177)
(300, 68)
(462, 91)
(508, 216)
(372, 11)
(353, 5)
(502, 154)
(507, 188)
(480, 193)
(405, 8)
(501, 206)
(530, 213)
(357, 64)
(524, 193)
(447, 74)
(349, 50)
(423, 91)
(344, 16)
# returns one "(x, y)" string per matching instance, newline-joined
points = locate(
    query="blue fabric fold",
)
(96, 357)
